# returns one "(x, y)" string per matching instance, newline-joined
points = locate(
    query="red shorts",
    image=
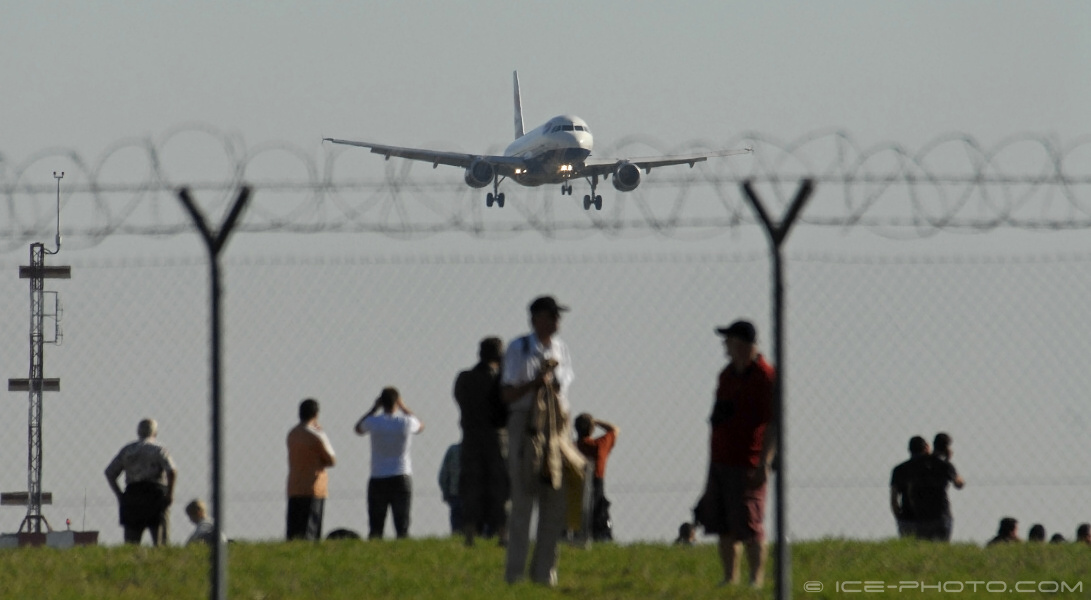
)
(731, 507)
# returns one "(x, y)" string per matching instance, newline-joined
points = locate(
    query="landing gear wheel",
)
(500, 200)
(587, 202)
(598, 203)
(488, 200)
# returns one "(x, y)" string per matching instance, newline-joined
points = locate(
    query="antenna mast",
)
(37, 272)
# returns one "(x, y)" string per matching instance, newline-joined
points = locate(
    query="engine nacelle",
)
(479, 174)
(626, 177)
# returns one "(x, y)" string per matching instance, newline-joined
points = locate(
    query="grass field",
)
(443, 568)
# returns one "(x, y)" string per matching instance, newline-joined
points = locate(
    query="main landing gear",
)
(591, 199)
(495, 195)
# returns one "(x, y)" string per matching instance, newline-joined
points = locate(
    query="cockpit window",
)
(579, 128)
(555, 129)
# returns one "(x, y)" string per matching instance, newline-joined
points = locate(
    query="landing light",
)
(566, 168)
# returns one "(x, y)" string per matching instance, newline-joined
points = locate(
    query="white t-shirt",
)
(522, 363)
(390, 438)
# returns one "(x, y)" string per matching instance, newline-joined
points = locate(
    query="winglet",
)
(518, 107)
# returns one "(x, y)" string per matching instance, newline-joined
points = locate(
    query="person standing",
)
(901, 477)
(597, 450)
(149, 486)
(391, 482)
(483, 480)
(309, 455)
(448, 479)
(928, 492)
(536, 376)
(743, 444)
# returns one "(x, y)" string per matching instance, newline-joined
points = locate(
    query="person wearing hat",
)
(532, 363)
(743, 444)
(483, 474)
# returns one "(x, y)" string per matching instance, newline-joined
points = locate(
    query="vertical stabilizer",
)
(518, 107)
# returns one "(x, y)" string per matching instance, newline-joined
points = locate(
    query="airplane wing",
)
(436, 157)
(603, 166)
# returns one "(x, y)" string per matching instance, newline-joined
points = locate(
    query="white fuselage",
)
(553, 151)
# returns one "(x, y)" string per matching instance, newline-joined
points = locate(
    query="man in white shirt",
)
(532, 362)
(391, 483)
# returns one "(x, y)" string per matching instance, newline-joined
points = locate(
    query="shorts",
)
(731, 507)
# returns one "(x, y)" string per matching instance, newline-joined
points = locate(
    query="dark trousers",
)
(145, 505)
(393, 492)
(483, 480)
(305, 517)
(158, 530)
(602, 527)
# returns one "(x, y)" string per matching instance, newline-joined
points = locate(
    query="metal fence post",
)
(214, 243)
(777, 234)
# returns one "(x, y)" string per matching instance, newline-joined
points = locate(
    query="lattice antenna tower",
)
(37, 272)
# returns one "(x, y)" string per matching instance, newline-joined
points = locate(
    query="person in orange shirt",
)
(597, 450)
(309, 454)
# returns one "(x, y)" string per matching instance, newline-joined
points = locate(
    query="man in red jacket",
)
(742, 448)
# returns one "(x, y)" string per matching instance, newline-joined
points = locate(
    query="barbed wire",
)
(953, 182)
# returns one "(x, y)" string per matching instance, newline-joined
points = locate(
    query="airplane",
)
(556, 152)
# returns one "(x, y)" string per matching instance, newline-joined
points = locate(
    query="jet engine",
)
(626, 177)
(479, 174)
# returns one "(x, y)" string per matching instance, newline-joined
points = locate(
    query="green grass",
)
(443, 568)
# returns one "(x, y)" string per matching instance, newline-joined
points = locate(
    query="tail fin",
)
(518, 107)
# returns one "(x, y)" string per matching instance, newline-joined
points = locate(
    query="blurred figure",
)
(742, 446)
(928, 492)
(1037, 533)
(391, 483)
(149, 486)
(483, 479)
(534, 383)
(1007, 532)
(900, 478)
(309, 455)
(1057, 539)
(449, 485)
(204, 531)
(343, 534)
(687, 535)
(1083, 533)
(597, 450)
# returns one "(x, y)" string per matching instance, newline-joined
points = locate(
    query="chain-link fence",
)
(987, 349)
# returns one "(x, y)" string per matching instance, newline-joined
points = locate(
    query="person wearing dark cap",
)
(743, 444)
(483, 479)
(536, 376)
(1007, 532)
(901, 479)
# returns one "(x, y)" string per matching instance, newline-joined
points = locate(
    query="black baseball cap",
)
(546, 304)
(743, 330)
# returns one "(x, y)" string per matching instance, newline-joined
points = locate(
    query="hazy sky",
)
(86, 75)
(83, 75)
